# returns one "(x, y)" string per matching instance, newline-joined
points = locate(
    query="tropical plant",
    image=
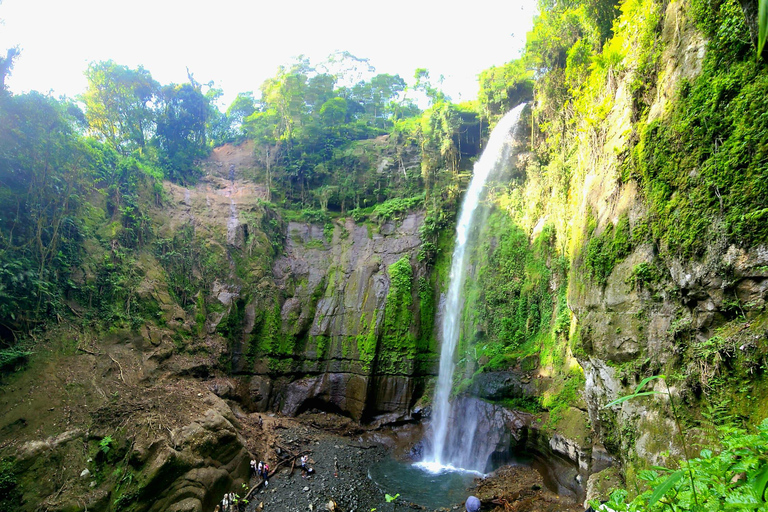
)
(736, 478)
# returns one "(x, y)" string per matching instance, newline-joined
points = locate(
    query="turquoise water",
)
(444, 488)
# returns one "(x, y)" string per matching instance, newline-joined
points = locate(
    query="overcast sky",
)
(238, 44)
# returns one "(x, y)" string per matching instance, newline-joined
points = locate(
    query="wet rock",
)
(338, 291)
(498, 385)
(520, 488)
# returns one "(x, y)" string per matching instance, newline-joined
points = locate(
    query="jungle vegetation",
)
(84, 172)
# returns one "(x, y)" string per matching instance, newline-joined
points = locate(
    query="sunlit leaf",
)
(759, 482)
(665, 487)
(646, 381)
(629, 397)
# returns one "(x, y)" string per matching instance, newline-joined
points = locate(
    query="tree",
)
(218, 125)
(43, 176)
(6, 64)
(118, 105)
(504, 87)
(241, 107)
(333, 113)
(377, 95)
(262, 127)
(181, 136)
(424, 84)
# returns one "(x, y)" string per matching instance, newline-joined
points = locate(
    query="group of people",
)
(261, 469)
(228, 503)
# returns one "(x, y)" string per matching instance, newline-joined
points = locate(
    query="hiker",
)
(304, 470)
(227, 502)
(472, 504)
(254, 466)
(260, 469)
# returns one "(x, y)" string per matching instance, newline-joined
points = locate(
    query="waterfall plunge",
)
(457, 449)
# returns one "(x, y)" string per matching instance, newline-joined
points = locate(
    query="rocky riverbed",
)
(340, 462)
(340, 452)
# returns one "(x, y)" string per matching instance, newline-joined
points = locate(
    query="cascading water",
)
(455, 451)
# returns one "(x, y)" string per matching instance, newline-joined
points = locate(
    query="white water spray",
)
(494, 158)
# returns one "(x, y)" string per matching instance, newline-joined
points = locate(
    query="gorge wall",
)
(624, 251)
(629, 242)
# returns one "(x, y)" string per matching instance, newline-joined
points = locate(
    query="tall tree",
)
(263, 128)
(181, 123)
(6, 64)
(376, 96)
(118, 105)
(241, 107)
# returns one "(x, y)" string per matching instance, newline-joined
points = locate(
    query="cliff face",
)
(307, 312)
(641, 257)
(336, 307)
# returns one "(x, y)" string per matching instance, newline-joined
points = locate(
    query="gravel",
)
(341, 475)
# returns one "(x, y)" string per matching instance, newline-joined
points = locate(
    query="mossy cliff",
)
(343, 331)
(631, 243)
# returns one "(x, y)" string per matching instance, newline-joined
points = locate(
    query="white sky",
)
(240, 43)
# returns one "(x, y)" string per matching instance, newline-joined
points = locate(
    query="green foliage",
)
(393, 208)
(305, 126)
(118, 105)
(503, 88)
(608, 248)
(732, 477)
(397, 339)
(367, 341)
(704, 169)
(13, 355)
(515, 302)
(181, 131)
(267, 337)
(565, 397)
(390, 499)
(105, 445)
(644, 275)
(10, 496)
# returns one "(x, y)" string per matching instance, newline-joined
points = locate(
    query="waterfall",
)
(455, 450)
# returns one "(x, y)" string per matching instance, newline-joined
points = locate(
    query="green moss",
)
(607, 249)
(314, 244)
(396, 327)
(563, 398)
(323, 343)
(200, 313)
(366, 342)
(266, 337)
(704, 167)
